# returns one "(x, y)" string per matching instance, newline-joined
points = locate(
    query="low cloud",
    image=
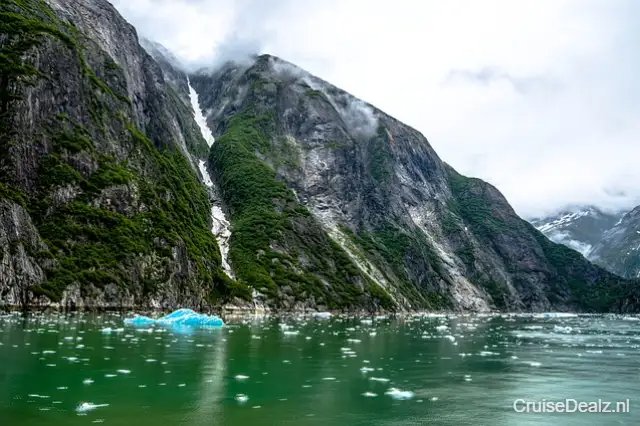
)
(492, 75)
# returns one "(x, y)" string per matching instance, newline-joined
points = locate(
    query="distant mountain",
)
(580, 228)
(611, 240)
(619, 248)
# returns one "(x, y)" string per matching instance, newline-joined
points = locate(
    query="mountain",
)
(101, 202)
(326, 162)
(611, 240)
(125, 182)
(619, 248)
(580, 228)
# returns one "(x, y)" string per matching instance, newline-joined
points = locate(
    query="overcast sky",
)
(540, 98)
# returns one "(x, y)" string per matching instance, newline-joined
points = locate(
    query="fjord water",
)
(82, 369)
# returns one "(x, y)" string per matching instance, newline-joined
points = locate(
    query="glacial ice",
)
(179, 318)
(396, 393)
(88, 406)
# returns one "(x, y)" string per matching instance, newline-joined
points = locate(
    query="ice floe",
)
(84, 407)
(241, 398)
(398, 394)
(179, 318)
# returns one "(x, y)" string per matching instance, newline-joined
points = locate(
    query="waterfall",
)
(221, 228)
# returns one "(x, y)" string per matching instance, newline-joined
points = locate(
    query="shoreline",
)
(237, 311)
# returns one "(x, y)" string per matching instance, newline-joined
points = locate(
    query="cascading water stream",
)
(221, 227)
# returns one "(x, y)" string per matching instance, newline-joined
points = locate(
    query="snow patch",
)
(201, 120)
(221, 227)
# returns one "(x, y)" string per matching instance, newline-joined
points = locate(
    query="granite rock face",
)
(429, 237)
(101, 203)
(113, 195)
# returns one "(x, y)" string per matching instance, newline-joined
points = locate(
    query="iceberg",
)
(179, 318)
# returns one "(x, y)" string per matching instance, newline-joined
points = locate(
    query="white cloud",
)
(541, 98)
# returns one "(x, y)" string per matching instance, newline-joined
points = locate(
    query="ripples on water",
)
(82, 369)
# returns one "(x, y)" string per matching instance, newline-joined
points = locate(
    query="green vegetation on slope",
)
(164, 206)
(398, 249)
(276, 245)
(590, 287)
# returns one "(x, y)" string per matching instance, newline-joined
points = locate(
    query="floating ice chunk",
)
(87, 381)
(179, 318)
(328, 378)
(442, 328)
(366, 369)
(396, 393)
(140, 321)
(291, 332)
(123, 371)
(379, 379)
(241, 377)
(555, 315)
(83, 407)
(370, 394)
(107, 330)
(241, 398)
(322, 315)
(535, 363)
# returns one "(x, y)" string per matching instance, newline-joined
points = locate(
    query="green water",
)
(453, 370)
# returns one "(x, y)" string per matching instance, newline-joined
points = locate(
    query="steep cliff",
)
(309, 173)
(101, 202)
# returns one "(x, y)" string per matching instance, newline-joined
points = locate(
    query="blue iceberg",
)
(179, 318)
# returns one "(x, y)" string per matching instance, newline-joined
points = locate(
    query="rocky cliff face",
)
(113, 192)
(307, 169)
(100, 199)
(619, 248)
